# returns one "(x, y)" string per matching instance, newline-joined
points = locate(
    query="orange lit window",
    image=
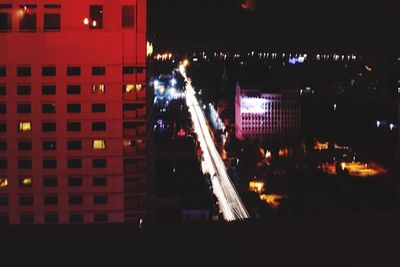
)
(25, 181)
(99, 144)
(129, 88)
(98, 89)
(3, 182)
(24, 126)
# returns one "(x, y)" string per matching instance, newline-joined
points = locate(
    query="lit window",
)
(98, 89)
(3, 182)
(96, 17)
(99, 144)
(129, 88)
(25, 182)
(25, 126)
(138, 87)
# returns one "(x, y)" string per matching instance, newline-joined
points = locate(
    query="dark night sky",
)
(361, 26)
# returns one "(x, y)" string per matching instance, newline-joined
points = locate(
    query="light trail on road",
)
(229, 200)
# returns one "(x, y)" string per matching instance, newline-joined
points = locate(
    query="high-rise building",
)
(260, 112)
(73, 128)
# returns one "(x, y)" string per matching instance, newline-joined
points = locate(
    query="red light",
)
(181, 133)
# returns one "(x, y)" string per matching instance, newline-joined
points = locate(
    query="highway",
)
(229, 200)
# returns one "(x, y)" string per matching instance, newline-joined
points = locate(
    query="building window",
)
(26, 200)
(3, 182)
(24, 71)
(3, 145)
(51, 218)
(25, 181)
(52, 22)
(98, 89)
(3, 108)
(23, 90)
(99, 144)
(48, 90)
(50, 182)
(49, 126)
(27, 20)
(96, 17)
(98, 107)
(3, 70)
(73, 71)
(76, 218)
(74, 163)
(3, 200)
(74, 145)
(130, 88)
(75, 182)
(3, 89)
(128, 14)
(49, 71)
(100, 217)
(99, 163)
(24, 126)
(5, 22)
(98, 126)
(27, 218)
(49, 164)
(100, 200)
(98, 70)
(73, 89)
(75, 200)
(3, 127)
(73, 126)
(99, 181)
(3, 164)
(24, 108)
(128, 70)
(50, 200)
(49, 145)
(48, 108)
(24, 146)
(73, 108)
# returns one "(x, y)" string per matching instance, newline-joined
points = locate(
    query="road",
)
(229, 200)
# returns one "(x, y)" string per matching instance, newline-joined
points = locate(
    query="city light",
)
(252, 105)
(173, 82)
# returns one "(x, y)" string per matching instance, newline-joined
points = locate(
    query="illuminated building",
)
(73, 138)
(259, 113)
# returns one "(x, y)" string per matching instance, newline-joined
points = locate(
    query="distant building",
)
(73, 119)
(259, 112)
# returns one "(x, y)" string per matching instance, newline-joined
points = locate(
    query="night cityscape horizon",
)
(193, 133)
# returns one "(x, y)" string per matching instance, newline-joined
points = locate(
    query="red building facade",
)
(73, 101)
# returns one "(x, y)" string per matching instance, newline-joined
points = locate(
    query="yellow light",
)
(98, 89)
(186, 63)
(343, 165)
(126, 142)
(129, 88)
(138, 87)
(99, 144)
(272, 200)
(256, 186)
(3, 182)
(25, 126)
(86, 21)
(26, 181)
(150, 49)
(321, 146)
